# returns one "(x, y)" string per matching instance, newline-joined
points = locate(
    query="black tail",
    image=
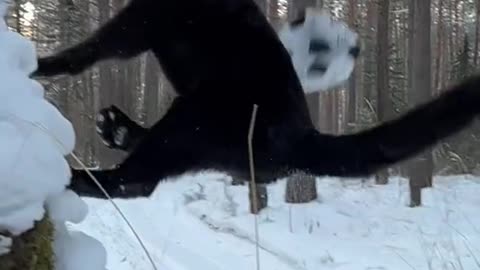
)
(122, 37)
(366, 152)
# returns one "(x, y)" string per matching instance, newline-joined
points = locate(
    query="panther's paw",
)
(113, 127)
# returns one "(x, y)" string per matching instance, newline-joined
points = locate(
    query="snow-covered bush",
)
(34, 140)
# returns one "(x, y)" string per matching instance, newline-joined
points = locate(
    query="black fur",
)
(222, 57)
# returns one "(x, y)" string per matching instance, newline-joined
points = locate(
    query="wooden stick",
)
(252, 182)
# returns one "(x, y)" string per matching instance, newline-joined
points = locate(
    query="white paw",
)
(321, 41)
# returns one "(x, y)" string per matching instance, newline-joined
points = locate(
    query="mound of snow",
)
(35, 138)
(72, 247)
(32, 162)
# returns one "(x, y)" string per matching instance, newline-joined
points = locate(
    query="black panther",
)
(222, 57)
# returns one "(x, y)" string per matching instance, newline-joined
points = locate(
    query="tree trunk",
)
(159, 93)
(107, 91)
(301, 187)
(353, 95)
(384, 103)
(370, 56)
(420, 167)
(31, 250)
(477, 32)
(439, 50)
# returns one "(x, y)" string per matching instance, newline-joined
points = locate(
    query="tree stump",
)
(32, 250)
(301, 188)
(381, 178)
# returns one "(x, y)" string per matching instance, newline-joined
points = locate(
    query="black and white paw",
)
(323, 50)
(112, 127)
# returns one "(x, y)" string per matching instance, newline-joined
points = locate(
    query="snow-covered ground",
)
(201, 222)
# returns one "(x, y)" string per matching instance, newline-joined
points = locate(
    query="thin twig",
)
(253, 183)
(290, 224)
(48, 133)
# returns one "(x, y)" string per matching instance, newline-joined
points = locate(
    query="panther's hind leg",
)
(191, 137)
(178, 143)
(110, 180)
